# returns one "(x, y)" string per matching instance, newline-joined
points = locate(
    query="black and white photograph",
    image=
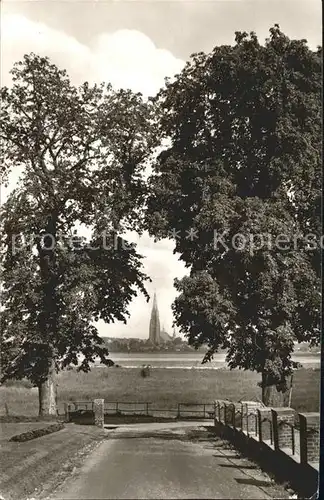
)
(160, 249)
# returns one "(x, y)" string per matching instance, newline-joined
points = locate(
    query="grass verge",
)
(34, 471)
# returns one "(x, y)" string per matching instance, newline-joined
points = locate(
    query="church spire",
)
(154, 334)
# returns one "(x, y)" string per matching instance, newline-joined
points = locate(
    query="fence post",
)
(178, 416)
(66, 412)
(116, 408)
(282, 420)
(99, 412)
(228, 413)
(264, 424)
(225, 414)
(244, 416)
(204, 411)
(309, 437)
(237, 419)
(233, 415)
(147, 408)
(249, 414)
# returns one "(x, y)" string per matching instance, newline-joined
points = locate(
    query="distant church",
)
(156, 335)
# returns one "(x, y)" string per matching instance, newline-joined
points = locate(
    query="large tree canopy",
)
(82, 154)
(239, 191)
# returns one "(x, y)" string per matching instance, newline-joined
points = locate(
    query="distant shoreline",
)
(192, 361)
(195, 353)
(307, 353)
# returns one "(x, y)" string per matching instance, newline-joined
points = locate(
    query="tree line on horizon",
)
(129, 345)
(243, 125)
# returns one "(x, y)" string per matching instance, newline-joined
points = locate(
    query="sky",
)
(136, 44)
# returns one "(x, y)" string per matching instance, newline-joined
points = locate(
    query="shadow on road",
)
(233, 466)
(253, 482)
(221, 455)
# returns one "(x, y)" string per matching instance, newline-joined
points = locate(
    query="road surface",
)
(167, 461)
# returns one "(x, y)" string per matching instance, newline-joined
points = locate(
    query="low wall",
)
(281, 441)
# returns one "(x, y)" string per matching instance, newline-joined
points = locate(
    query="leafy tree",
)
(81, 153)
(244, 163)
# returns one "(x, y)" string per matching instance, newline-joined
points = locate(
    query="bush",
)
(18, 383)
(27, 436)
(10, 419)
(145, 371)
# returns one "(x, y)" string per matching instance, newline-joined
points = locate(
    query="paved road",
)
(154, 461)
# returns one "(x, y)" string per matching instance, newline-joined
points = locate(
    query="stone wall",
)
(280, 440)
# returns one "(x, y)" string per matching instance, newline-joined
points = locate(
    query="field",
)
(165, 387)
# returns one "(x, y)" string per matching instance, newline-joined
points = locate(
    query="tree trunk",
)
(47, 392)
(272, 397)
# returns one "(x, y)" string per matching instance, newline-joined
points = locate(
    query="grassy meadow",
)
(164, 387)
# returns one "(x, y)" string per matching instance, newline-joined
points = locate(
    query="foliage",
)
(81, 153)
(244, 163)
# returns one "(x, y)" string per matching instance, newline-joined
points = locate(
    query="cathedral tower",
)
(155, 323)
